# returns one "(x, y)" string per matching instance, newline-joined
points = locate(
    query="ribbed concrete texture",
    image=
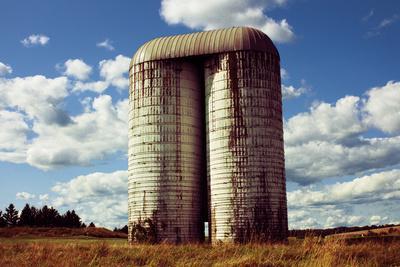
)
(246, 171)
(206, 139)
(165, 153)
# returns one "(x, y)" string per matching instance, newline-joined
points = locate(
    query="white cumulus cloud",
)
(107, 44)
(97, 197)
(25, 196)
(77, 68)
(376, 187)
(13, 136)
(323, 217)
(383, 107)
(318, 160)
(114, 72)
(5, 69)
(35, 39)
(97, 86)
(92, 135)
(289, 92)
(44, 197)
(37, 130)
(377, 220)
(213, 14)
(284, 74)
(37, 96)
(329, 140)
(325, 122)
(347, 203)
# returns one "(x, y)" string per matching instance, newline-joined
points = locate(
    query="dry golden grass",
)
(393, 231)
(59, 232)
(308, 252)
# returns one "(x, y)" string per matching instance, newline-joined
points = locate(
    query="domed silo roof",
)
(204, 43)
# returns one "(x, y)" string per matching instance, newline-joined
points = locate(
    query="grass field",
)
(392, 231)
(26, 232)
(87, 251)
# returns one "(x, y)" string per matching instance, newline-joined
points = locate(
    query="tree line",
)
(39, 217)
(338, 230)
(123, 229)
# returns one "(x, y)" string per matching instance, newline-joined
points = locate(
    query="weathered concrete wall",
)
(165, 152)
(245, 157)
(206, 134)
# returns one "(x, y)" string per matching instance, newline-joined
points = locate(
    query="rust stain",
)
(166, 140)
(167, 118)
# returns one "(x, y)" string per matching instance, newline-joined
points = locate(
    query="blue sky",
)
(63, 101)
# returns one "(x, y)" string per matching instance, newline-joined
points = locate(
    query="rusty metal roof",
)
(204, 43)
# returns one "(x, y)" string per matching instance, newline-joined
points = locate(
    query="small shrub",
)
(145, 232)
(370, 233)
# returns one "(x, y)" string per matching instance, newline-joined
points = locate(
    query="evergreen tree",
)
(76, 220)
(26, 218)
(41, 216)
(71, 219)
(2, 221)
(124, 229)
(53, 217)
(11, 215)
(34, 212)
(66, 219)
(48, 217)
(92, 225)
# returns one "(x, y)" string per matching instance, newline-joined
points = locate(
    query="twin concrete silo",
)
(206, 139)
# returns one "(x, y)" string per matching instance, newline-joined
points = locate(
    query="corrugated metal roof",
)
(204, 43)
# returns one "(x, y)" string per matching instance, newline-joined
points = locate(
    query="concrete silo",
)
(165, 152)
(206, 138)
(245, 147)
